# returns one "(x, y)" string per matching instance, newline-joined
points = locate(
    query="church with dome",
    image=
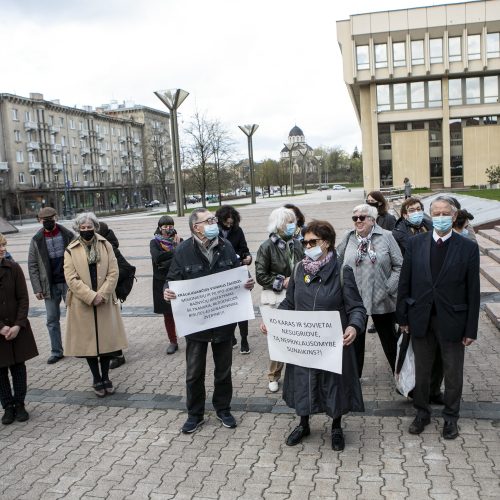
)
(298, 147)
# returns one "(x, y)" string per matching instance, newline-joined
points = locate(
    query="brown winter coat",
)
(82, 337)
(14, 305)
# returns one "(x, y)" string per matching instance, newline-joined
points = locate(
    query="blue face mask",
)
(290, 229)
(465, 232)
(416, 218)
(314, 253)
(442, 223)
(211, 231)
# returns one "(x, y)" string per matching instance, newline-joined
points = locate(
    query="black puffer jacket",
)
(309, 390)
(403, 231)
(189, 263)
(236, 237)
(386, 221)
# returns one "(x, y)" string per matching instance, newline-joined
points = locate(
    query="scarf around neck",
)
(166, 244)
(365, 248)
(93, 254)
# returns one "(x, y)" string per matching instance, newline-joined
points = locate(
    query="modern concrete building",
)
(424, 83)
(70, 158)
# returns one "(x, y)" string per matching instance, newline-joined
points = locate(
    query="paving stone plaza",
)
(129, 445)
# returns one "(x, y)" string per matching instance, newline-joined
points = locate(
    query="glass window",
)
(417, 95)
(27, 116)
(454, 48)
(418, 125)
(14, 114)
(401, 126)
(383, 98)
(19, 156)
(399, 53)
(490, 120)
(17, 135)
(455, 92)
(381, 55)
(417, 52)
(472, 90)
(474, 47)
(400, 96)
(61, 121)
(434, 87)
(436, 50)
(493, 45)
(491, 89)
(22, 179)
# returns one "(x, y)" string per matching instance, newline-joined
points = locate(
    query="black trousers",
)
(196, 360)
(19, 384)
(386, 330)
(243, 329)
(452, 357)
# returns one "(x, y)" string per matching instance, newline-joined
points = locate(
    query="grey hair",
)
(279, 218)
(366, 209)
(83, 218)
(446, 199)
(193, 218)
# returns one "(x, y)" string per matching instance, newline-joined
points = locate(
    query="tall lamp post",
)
(318, 158)
(67, 201)
(290, 150)
(173, 99)
(249, 130)
(303, 152)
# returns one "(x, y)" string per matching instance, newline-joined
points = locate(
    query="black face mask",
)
(87, 235)
(372, 203)
(49, 225)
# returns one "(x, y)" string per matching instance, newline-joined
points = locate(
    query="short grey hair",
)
(279, 218)
(83, 218)
(446, 199)
(366, 209)
(193, 218)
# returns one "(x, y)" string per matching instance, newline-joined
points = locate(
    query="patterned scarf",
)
(166, 244)
(93, 254)
(313, 266)
(365, 248)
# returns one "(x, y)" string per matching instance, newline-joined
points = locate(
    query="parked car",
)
(323, 187)
(338, 187)
(152, 203)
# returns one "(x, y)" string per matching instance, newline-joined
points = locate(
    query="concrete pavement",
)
(129, 445)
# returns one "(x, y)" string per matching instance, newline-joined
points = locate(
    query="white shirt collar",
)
(436, 236)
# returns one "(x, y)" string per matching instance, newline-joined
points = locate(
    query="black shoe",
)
(338, 441)
(10, 415)
(418, 425)
(244, 347)
(21, 414)
(437, 399)
(99, 390)
(54, 359)
(235, 342)
(450, 430)
(108, 387)
(116, 362)
(372, 329)
(297, 434)
(226, 418)
(191, 424)
(172, 348)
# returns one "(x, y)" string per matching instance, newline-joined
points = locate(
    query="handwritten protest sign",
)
(312, 339)
(211, 301)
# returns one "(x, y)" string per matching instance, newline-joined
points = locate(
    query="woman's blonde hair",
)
(3, 239)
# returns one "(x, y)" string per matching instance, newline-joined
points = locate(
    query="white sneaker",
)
(273, 386)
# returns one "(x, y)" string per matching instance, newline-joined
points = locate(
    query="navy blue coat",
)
(455, 293)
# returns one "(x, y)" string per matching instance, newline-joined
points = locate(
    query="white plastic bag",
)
(405, 379)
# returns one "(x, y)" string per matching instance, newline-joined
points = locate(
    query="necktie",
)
(439, 243)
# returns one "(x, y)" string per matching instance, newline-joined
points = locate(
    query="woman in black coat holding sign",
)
(317, 285)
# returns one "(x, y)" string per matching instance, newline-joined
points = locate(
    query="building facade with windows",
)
(68, 158)
(425, 87)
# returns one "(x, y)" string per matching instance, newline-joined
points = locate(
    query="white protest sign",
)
(211, 301)
(312, 339)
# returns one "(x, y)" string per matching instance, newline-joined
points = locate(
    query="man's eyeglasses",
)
(361, 218)
(210, 220)
(311, 243)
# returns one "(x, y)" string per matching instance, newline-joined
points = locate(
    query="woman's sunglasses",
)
(311, 243)
(361, 218)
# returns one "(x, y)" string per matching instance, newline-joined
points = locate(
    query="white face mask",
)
(314, 253)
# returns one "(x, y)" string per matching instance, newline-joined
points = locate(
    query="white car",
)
(338, 187)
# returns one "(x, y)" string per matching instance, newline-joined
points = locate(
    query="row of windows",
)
(417, 52)
(415, 95)
(76, 178)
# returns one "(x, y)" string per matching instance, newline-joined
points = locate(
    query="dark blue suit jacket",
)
(455, 292)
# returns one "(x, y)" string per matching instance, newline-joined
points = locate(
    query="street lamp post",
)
(173, 99)
(318, 158)
(249, 130)
(67, 202)
(290, 160)
(303, 152)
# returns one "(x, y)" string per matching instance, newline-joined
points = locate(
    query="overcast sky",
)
(276, 63)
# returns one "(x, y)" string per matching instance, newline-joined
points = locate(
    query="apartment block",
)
(425, 87)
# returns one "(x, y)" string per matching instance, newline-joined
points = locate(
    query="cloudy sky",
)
(271, 62)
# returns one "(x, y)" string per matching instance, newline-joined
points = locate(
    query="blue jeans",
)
(53, 308)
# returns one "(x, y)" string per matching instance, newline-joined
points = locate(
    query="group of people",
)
(420, 272)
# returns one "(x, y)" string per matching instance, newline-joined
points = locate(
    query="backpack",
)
(126, 277)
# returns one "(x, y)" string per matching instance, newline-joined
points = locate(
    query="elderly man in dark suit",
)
(438, 303)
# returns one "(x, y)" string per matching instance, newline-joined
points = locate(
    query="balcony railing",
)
(32, 145)
(57, 167)
(34, 166)
(30, 125)
(99, 137)
(103, 168)
(121, 139)
(56, 148)
(84, 151)
(54, 130)
(84, 134)
(101, 151)
(86, 168)
(123, 154)
(125, 169)
(4, 166)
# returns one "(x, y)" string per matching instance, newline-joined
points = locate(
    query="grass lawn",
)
(488, 194)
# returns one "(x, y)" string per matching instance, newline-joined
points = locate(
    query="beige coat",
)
(82, 337)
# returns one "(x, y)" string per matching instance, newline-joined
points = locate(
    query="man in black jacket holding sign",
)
(203, 254)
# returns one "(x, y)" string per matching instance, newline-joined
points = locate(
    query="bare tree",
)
(222, 151)
(159, 150)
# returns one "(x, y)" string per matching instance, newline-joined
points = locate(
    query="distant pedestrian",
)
(17, 343)
(94, 327)
(407, 185)
(274, 264)
(229, 225)
(162, 248)
(45, 266)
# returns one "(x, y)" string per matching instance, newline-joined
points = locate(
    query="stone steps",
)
(490, 269)
(492, 234)
(485, 244)
(492, 309)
